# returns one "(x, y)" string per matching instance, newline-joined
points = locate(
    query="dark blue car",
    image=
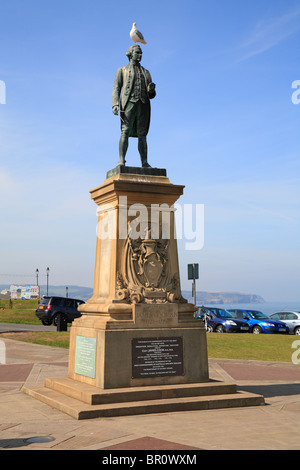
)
(221, 321)
(259, 322)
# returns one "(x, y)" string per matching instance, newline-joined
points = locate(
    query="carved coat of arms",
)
(146, 276)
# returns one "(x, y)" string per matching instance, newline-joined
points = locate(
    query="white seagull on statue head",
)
(136, 36)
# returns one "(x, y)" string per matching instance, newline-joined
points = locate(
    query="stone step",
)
(94, 396)
(79, 410)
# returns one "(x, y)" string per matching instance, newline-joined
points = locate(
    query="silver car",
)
(290, 318)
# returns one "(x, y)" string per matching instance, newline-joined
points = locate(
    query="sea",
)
(265, 307)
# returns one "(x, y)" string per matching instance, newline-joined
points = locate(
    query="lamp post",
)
(37, 276)
(47, 271)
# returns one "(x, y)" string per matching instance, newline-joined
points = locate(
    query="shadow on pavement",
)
(272, 390)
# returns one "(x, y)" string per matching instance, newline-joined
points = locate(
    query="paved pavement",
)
(273, 426)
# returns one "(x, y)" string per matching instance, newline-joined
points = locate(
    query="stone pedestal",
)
(137, 329)
(137, 347)
(120, 358)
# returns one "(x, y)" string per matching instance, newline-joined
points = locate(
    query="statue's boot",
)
(143, 150)
(123, 146)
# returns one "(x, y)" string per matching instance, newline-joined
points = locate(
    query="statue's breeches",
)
(135, 120)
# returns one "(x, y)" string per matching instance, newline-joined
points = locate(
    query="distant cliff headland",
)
(202, 297)
(224, 298)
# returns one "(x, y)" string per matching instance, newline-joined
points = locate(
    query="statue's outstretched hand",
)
(115, 110)
(151, 87)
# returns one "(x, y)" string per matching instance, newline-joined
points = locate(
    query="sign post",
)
(193, 274)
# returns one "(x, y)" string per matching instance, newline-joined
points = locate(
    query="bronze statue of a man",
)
(135, 84)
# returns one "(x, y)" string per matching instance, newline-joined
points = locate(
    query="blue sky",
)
(223, 124)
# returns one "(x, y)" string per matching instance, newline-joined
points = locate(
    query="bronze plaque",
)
(157, 357)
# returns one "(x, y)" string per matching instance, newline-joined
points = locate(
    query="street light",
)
(47, 271)
(37, 276)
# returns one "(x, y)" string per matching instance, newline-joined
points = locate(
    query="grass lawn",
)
(264, 347)
(277, 348)
(274, 348)
(22, 311)
(60, 339)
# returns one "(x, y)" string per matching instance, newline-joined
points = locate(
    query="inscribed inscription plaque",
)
(146, 316)
(85, 356)
(157, 357)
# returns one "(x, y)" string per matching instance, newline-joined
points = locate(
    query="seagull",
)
(136, 36)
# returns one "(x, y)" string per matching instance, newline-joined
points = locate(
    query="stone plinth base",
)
(133, 170)
(135, 357)
(115, 371)
(83, 401)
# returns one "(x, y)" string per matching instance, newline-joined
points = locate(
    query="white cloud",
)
(269, 32)
(264, 201)
(7, 183)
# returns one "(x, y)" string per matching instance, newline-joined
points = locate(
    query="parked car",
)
(291, 319)
(57, 309)
(221, 321)
(259, 322)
